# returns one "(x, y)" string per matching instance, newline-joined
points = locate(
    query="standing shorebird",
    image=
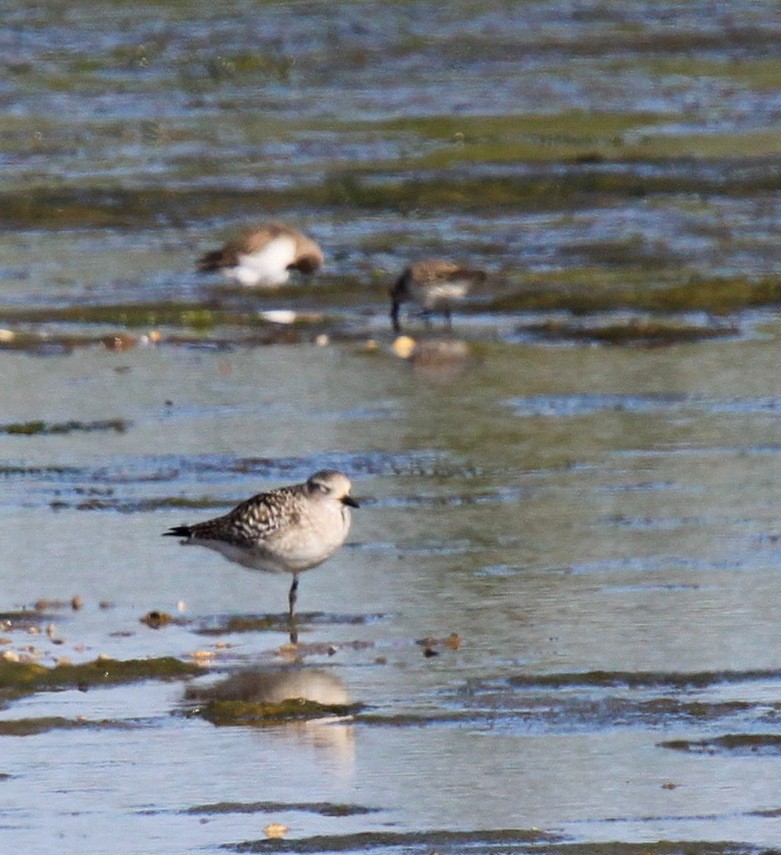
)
(264, 255)
(287, 530)
(434, 284)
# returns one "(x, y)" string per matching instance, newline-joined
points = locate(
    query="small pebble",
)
(275, 830)
(453, 641)
(119, 342)
(156, 619)
(403, 346)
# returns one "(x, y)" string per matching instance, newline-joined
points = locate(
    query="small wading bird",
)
(264, 255)
(434, 284)
(287, 530)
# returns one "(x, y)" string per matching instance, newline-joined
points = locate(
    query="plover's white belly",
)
(292, 549)
(267, 266)
(252, 558)
(444, 292)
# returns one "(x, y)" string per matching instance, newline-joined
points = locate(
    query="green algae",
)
(587, 290)
(203, 319)
(127, 315)
(507, 841)
(320, 808)
(133, 506)
(258, 714)
(244, 623)
(731, 743)
(18, 678)
(485, 840)
(635, 333)
(40, 427)
(599, 166)
(46, 724)
(625, 283)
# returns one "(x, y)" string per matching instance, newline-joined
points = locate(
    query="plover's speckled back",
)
(264, 255)
(288, 530)
(434, 284)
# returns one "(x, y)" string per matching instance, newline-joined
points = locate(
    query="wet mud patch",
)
(254, 714)
(662, 332)
(419, 463)
(20, 678)
(35, 726)
(643, 679)
(502, 712)
(42, 473)
(42, 428)
(509, 840)
(98, 488)
(230, 624)
(598, 702)
(24, 619)
(731, 744)
(516, 842)
(107, 502)
(319, 808)
(590, 291)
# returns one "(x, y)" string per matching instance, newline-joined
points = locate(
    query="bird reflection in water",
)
(326, 724)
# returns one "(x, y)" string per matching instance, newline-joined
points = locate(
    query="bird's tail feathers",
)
(179, 531)
(213, 260)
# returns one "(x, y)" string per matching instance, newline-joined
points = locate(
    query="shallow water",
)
(595, 521)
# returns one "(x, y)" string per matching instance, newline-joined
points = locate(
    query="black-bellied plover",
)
(264, 255)
(434, 284)
(287, 530)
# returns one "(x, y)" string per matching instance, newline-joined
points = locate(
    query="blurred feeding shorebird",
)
(264, 255)
(434, 284)
(287, 530)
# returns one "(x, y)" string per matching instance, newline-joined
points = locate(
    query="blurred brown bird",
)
(434, 284)
(264, 255)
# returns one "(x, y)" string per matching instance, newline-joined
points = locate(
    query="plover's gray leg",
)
(394, 316)
(292, 597)
(433, 283)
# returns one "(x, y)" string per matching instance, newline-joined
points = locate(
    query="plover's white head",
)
(331, 485)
